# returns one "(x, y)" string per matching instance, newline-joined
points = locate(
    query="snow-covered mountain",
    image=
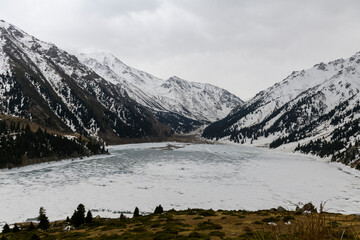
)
(198, 101)
(315, 110)
(43, 83)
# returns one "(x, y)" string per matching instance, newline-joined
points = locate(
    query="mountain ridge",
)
(46, 84)
(304, 107)
(199, 101)
(115, 103)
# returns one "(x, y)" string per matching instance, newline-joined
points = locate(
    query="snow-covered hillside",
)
(307, 105)
(199, 101)
(43, 83)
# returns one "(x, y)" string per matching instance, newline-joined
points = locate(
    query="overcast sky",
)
(242, 46)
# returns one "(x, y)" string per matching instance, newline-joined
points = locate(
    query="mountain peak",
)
(103, 57)
(176, 79)
(18, 34)
(196, 101)
(4, 24)
(315, 109)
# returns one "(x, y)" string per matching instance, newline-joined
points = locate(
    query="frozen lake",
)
(191, 176)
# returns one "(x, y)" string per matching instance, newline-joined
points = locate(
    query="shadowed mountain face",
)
(315, 110)
(43, 83)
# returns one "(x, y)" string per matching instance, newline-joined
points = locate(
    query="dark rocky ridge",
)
(51, 87)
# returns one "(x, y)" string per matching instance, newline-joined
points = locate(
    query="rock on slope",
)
(174, 97)
(315, 110)
(43, 83)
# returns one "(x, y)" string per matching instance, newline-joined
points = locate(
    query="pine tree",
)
(43, 219)
(78, 218)
(122, 217)
(6, 228)
(136, 212)
(89, 217)
(15, 228)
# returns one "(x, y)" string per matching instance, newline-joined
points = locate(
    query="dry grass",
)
(202, 224)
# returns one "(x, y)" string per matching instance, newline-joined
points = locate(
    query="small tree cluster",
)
(6, 228)
(159, 209)
(78, 218)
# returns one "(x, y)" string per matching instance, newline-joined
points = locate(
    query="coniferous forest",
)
(19, 145)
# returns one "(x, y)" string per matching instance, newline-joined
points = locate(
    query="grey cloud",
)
(244, 46)
(110, 8)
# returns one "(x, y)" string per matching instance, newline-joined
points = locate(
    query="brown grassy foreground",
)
(208, 224)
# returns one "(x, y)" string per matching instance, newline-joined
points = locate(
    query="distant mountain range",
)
(99, 96)
(313, 111)
(173, 98)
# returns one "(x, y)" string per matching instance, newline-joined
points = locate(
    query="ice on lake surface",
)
(176, 176)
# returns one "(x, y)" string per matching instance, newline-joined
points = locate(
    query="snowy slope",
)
(46, 84)
(199, 101)
(305, 106)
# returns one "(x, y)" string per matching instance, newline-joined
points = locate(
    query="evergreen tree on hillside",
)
(89, 217)
(78, 218)
(15, 228)
(6, 228)
(39, 144)
(43, 219)
(136, 212)
(159, 209)
(122, 217)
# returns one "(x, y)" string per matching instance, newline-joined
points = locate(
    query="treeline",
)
(339, 145)
(79, 218)
(19, 143)
(321, 147)
(76, 220)
(351, 156)
(338, 149)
